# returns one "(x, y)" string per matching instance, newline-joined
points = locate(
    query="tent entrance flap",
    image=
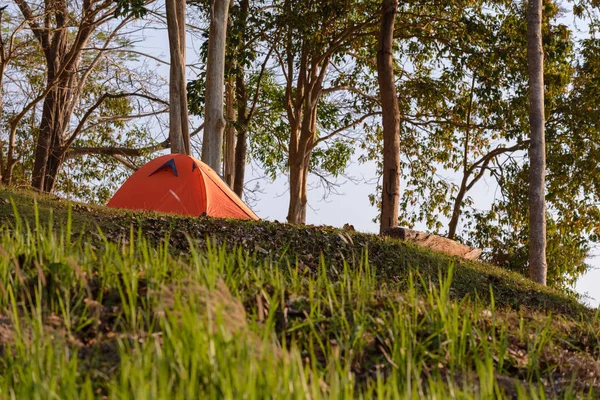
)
(168, 165)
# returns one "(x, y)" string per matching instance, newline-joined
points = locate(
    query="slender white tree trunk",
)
(179, 133)
(214, 122)
(229, 157)
(537, 151)
(391, 118)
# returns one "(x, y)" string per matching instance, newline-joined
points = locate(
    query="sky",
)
(351, 205)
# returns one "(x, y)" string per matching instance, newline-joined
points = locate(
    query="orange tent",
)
(180, 184)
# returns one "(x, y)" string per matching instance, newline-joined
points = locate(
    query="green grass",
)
(94, 304)
(392, 259)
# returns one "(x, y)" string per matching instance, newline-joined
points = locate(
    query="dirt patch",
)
(217, 304)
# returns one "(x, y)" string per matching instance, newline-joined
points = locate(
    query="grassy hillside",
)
(102, 303)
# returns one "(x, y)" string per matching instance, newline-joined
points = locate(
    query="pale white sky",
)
(352, 204)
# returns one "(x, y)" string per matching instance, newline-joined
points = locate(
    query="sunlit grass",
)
(87, 319)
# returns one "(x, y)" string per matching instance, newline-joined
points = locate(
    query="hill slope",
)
(121, 304)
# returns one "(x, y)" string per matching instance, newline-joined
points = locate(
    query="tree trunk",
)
(55, 101)
(456, 209)
(241, 144)
(43, 142)
(6, 170)
(240, 162)
(56, 112)
(464, 187)
(62, 83)
(304, 71)
(537, 150)
(242, 100)
(297, 207)
(179, 133)
(63, 37)
(3, 64)
(300, 161)
(304, 192)
(229, 158)
(391, 118)
(212, 143)
(49, 149)
(55, 161)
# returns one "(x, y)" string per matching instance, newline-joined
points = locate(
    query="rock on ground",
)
(434, 242)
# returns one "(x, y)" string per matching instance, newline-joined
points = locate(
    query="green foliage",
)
(126, 8)
(468, 85)
(504, 233)
(468, 88)
(572, 183)
(333, 157)
(306, 37)
(271, 131)
(195, 92)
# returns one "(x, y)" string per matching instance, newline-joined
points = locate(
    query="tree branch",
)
(117, 118)
(260, 76)
(351, 89)
(75, 152)
(125, 162)
(139, 53)
(40, 34)
(343, 128)
(496, 152)
(100, 54)
(339, 40)
(99, 102)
